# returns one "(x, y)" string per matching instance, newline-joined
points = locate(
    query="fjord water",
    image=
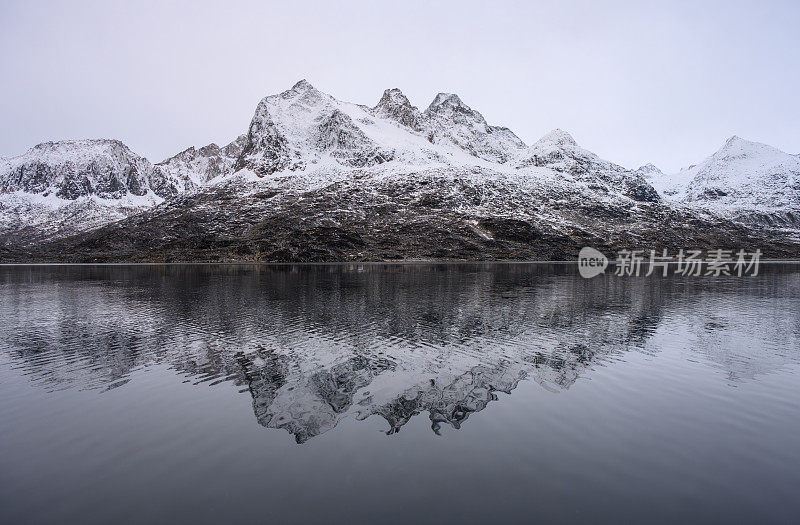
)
(467, 393)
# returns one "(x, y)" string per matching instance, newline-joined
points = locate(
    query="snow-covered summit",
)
(444, 101)
(742, 175)
(450, 121)
(396, 106)
(303, 127)
(393, 97)
(558, 151)
(303, 85)
(649, 169)
(556, 138)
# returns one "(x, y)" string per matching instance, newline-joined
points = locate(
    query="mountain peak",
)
(446, 99)
(736, 146)
(557, 137)
(78, 143)
(740, 175)
(395, 105)
(393, 97)
(302, 85)
(77, 150)
(738, 142)
(303, 89)
(649, 170)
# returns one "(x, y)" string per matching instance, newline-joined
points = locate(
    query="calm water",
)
(391, 393)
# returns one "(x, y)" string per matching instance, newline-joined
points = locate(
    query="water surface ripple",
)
(424, 393)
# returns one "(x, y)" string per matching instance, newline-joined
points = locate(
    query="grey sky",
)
(635, 82)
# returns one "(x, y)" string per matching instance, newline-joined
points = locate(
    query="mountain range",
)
(318, 179)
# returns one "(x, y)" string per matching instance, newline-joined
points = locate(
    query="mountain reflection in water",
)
(316, 344)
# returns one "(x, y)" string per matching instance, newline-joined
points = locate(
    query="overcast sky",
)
(666, 82)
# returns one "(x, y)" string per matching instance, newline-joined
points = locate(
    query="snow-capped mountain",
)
(303, 127)
(394, 105)
(315, 178)
(77, 168)
(62, 187)
(305, 130)
(193, 167)
(741, 178)
(558, 151)
(59, 188)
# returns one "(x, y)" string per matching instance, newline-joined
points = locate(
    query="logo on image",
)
(591, 262)
(693, 263)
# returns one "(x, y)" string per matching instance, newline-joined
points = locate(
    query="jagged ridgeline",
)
(317, 179)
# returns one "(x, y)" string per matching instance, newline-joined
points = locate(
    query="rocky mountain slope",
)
(315, 178)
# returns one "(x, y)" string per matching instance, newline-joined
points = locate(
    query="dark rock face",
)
(395, 106)
(348, 144)
(337, 132)
(75, 187)
(32, 178)
(640, 190)
(135, 184)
